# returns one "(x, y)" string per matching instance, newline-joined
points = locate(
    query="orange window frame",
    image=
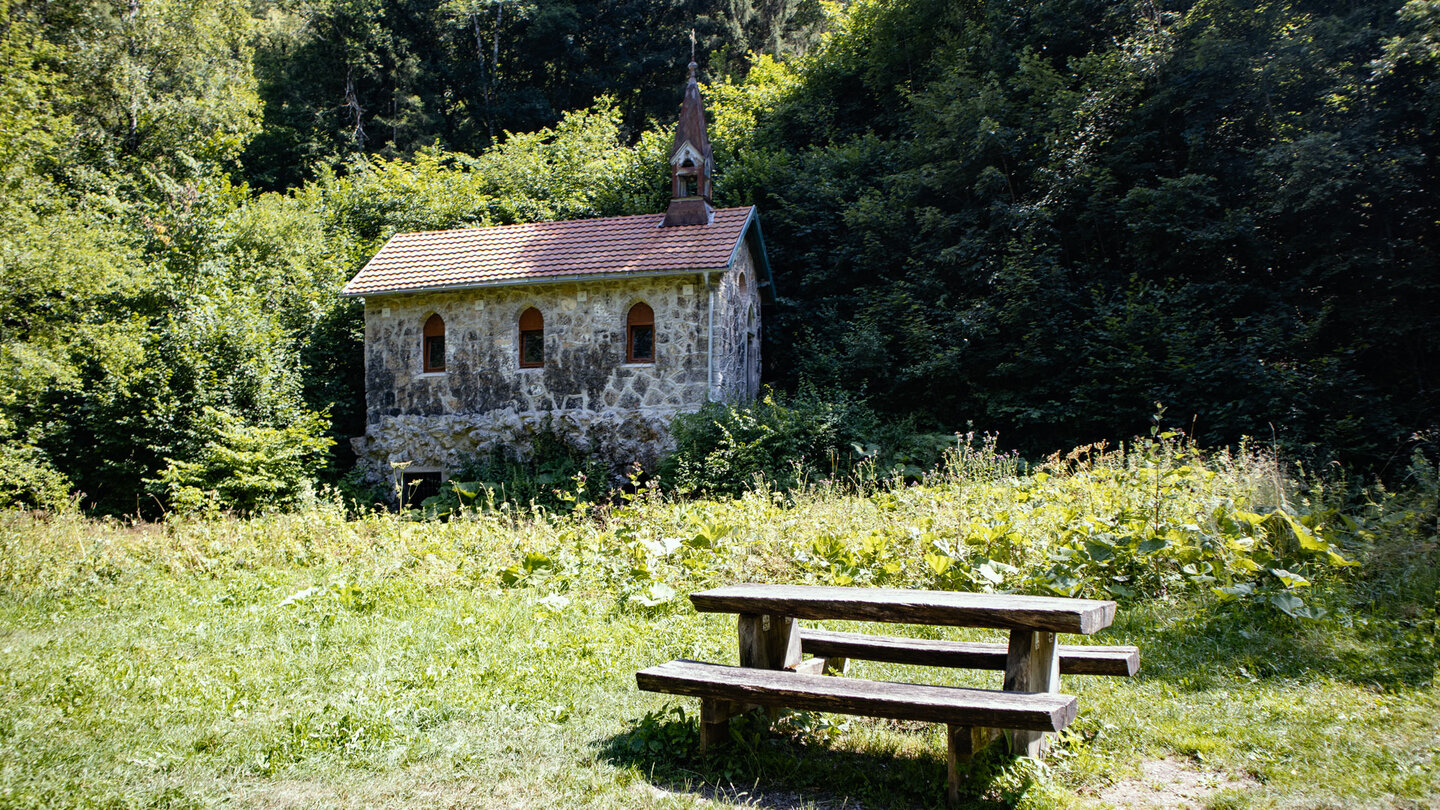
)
(432, 343)
(532, 332)
(640, 326)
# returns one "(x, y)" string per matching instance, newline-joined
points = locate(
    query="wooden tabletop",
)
(1003, 611)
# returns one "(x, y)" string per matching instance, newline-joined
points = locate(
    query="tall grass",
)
(1141, 520)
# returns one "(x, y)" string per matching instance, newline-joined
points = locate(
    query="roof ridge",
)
(561, 222)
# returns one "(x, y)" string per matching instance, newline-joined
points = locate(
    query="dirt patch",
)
(1167, 783)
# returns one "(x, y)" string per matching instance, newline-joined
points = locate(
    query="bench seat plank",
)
(1031, 711)
(1074, 659)
(1003, 611)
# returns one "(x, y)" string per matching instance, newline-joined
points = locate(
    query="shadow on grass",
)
(793, 764)
(1207, 645)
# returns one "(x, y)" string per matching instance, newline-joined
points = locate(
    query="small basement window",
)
(532, 338)
(640, 334)
(415, 487)
(432, 345)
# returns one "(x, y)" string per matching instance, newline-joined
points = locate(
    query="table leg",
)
(1032, 665)
(768, 642)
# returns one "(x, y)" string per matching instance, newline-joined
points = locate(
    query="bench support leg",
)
(1031, 665)
(962, 743)
(714, 722)
(768, 642)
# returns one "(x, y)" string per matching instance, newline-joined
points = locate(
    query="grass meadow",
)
(329, 659)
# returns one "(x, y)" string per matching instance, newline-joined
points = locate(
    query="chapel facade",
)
(603, 329)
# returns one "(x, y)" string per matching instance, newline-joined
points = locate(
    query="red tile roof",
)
(508, 254)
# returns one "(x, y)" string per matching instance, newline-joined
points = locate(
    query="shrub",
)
(555, 474)
(1402, 531)
(247, 468)
(723, 449)
(28, 480)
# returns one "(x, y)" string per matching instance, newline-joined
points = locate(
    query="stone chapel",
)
(604, 329)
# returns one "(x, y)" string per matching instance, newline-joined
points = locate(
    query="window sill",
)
(638, 364)
(432, 374)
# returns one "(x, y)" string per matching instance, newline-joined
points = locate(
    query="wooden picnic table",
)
(769, 638)
(773, 671)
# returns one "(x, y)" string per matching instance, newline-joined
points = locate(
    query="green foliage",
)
(161, 86)
(341, 78)
(247, 468)
(32, 96)
(667, 733)
(726, 449)
(1401, 578)
(168, 664)
(1043, 218)
(1142, 522)
(577, 169)
(28, 480)
(1035, 219)
(128, 315)
(790, 441)
(553, 474)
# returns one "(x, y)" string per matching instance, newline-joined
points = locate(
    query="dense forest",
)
(1038, 219)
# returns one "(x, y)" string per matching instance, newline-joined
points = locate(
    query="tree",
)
(1044, 218)
(159, 84)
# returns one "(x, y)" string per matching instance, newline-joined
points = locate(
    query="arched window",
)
(532, 338)
(432, 345)
(741, 285)
(640, 334)
(750, 360)
(691, 178)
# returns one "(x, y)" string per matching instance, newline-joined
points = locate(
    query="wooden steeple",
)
(691, 162)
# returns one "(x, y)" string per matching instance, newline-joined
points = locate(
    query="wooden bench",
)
(773, 672)
(1075, 659)
(1034, 711)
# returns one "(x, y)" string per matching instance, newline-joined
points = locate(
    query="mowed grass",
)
(313, 660)
(153, 692)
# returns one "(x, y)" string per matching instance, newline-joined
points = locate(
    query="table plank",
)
(819, 602)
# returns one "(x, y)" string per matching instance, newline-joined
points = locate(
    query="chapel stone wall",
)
(484, 399)
(737, 330)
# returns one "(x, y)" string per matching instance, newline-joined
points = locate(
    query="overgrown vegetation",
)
(1042, 217)
(725, 449)
(554, 475)
(1037, 218)
(315, 658)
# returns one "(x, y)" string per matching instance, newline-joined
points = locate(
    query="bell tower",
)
(690, 162)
